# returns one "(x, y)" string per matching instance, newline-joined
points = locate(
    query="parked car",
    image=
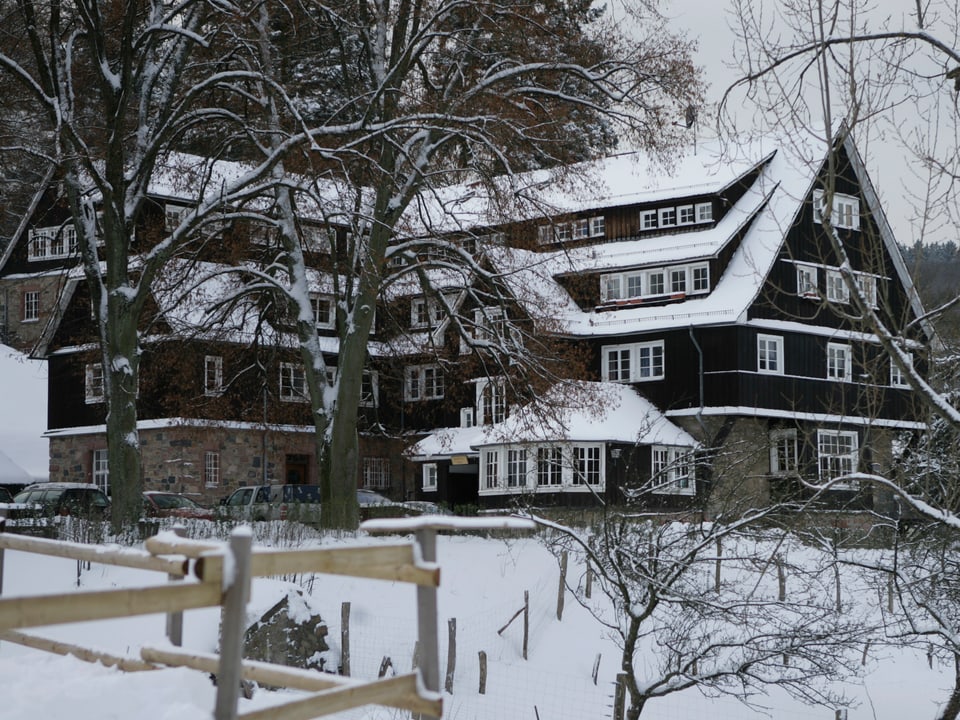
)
(374, 505)
(63, 498)
(274, 502)
(167, 504)
(5, 496)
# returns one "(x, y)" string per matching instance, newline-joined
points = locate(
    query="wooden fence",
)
(223, 573)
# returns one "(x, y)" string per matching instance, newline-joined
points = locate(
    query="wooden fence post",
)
(427, 617)
(563, 584)
(483, 673)
(526, 621)
(345, 639)
(890, 593)
(451, 654)
(233, 626)
(589, 588)
(620, 696)
(175, 619)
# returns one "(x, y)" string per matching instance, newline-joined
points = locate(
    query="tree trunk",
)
(952, 709)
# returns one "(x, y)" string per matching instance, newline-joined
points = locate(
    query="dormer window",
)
(638, 284)
(323, 311)
(648, 219)
(173, 215)
(425, 312)
(52, 243)
(581, 229)
(846, 210)
(704, 212)
(668, 217)
(686, 215)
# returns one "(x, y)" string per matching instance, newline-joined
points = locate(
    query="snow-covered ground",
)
(482, 586)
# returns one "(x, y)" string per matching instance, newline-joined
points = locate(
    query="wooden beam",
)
(390, 691)
(81, 653)
(20, 612)
(171, 544)
(125, 557)
(270, 674)
(384, 562)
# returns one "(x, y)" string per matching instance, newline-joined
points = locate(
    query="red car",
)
(167, 504)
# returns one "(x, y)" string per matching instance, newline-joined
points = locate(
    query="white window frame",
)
(490, 472)
(324, 311)
(580, 229)
(31, 306)
(783, 452)
(490, 323)
(846, 210)
(648, 220)
(635, 362)
(837, 290)
(293, 383)
(517, 467)
(689, 212)
(429, 477)
(100, 469)
(833, 460)
(898, 378)
(807, 281)
(678, 280)
(173, 215)
(376, 472)
(653, 279)
(672, 470)
(704, 212)
(868, 287)
(93, 383)
(467, 417)
(612, 287)
(549, 466)
(770, 355)
(546, 235)
(417, 384)
(699, 278)
(598, 226)
(588, 465)
(667, 217)
(425, 313)
(213, 375)
(370, 388)
(211, 469)
(839, 362)
(491, 401)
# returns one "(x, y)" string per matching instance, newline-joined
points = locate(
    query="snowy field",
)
(482, 586)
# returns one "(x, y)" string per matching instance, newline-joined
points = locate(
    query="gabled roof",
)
(575, 411)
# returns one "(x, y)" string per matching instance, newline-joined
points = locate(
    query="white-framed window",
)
(837, 455)
(211, 469)
(467, 417)
(770, 354)
(546, 235)
(648, 219)
(491, 400)
(93, 383)
(671, 471)
(581, 229)
(611, 287)
(213, 375)
(897, 377)
(376, 472)
(634, 284)
(637, 362)
(656, 284)
(678, 280)
(686, 215)
(783, 451)
(293, 383)
(173, 215)
(839, 362)
(100, 470)
(667, 217)
(31, 305)
(491, 323)
(549, 466)
(587, 465)
(598, 226)
(491, 469)
(563, 232)
(318, 239)
(425, 312)
(51, 243)
(868, 287)
(807, 281)
(429, 477)
(837, 290)
(704, 212)
(423, 382)
(516, 467)
(324, 311)
(700, 278)
(370, 388)
(846, 210)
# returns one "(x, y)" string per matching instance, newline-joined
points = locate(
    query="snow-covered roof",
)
(575, 411)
